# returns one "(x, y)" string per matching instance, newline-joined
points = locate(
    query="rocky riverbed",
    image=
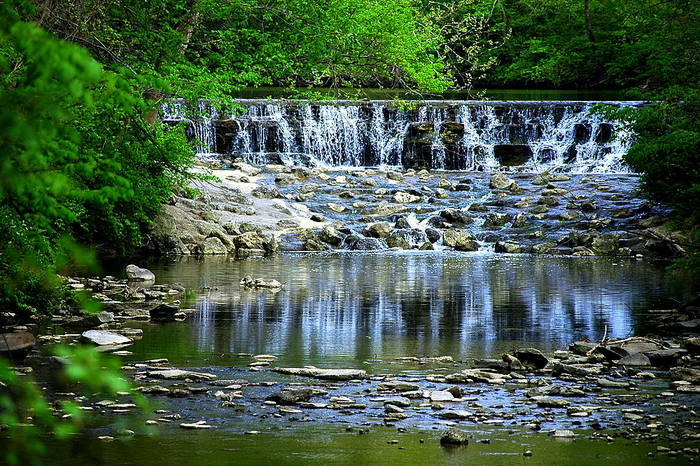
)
(638, 389)
(259, 210)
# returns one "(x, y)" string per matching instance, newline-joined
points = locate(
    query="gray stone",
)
(134, 272)
(105, 338)
(454, 437)
(326, 374)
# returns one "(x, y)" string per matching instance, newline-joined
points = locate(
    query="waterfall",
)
(451, 135)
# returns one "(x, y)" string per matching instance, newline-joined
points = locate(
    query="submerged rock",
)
(291, 396)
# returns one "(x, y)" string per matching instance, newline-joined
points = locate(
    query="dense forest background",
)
(85, 160)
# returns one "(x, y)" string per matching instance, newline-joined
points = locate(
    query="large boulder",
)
(501, 181)
(15, 346)
(134, 272)
(531, 358)
(406, 239)
(378, 230)
(211, 246)
(456, 217)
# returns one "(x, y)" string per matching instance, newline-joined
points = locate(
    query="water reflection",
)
(350, 308)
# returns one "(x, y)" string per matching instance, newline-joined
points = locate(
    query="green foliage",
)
(79, 162)
(581, 43)
(28, 416)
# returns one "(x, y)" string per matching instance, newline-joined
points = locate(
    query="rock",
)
(331, 236)
(291, 396)
(378, 230)
(325, 374)
(531, 358)
(407, 239)
(15, 346)
(441, 396)
(405, 198)
(392, 409)
(179, 374)
(397, 386)
(356, 242)
(501, 181)
(687, 374)
(249, 240)
(195, 425)
(635, 360)
(265, 192)
(134, 272)
(394, 176)
(337, 208)
(105, 338)
(496, 219)
(582, 347)
(211, 246)
(93, 320)
(456, 217)
(164, 312)
(249, 282)
(549, 402)
(514, 363)
(460, 240)
(666, 357)
(454, 437)
(562, 433)
(507, 247)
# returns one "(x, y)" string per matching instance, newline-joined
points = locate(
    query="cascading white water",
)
(466, 135)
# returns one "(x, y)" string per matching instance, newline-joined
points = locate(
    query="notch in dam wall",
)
(451, 135)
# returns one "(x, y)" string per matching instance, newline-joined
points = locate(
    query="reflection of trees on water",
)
(366, 305)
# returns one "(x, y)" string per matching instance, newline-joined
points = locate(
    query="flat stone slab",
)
(105, 338)
(326, 374)
(179, 374)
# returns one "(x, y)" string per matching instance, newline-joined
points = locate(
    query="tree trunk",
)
(587, 19)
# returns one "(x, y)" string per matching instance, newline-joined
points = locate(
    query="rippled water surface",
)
(344, 309)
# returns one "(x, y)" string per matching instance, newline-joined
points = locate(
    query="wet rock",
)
(405, 198)
(378, 230)
(211, 246)
(266, 192)
(356, 242)
(441, 396)
(496, 219)
(456, 217)
(325, 374)
(164, 312)
(105, 338)
(507, 247)
(563, 433)
(635, 360)
(15, 346)
(249, 240)
(549, 402)
(195, 425)
(179, 374)
(331, 236)
(666, 357)
(392, 409)
(291, 396)
(397, 386)
(687, 374)
(454, 437)
(394, 176)
(134, 272)
(93, 320)
(337, 208)
(406, 239)
(249, 282)
(460, 240)
(501, 181)
(433, 235)
(531, 358)
(458, 414)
